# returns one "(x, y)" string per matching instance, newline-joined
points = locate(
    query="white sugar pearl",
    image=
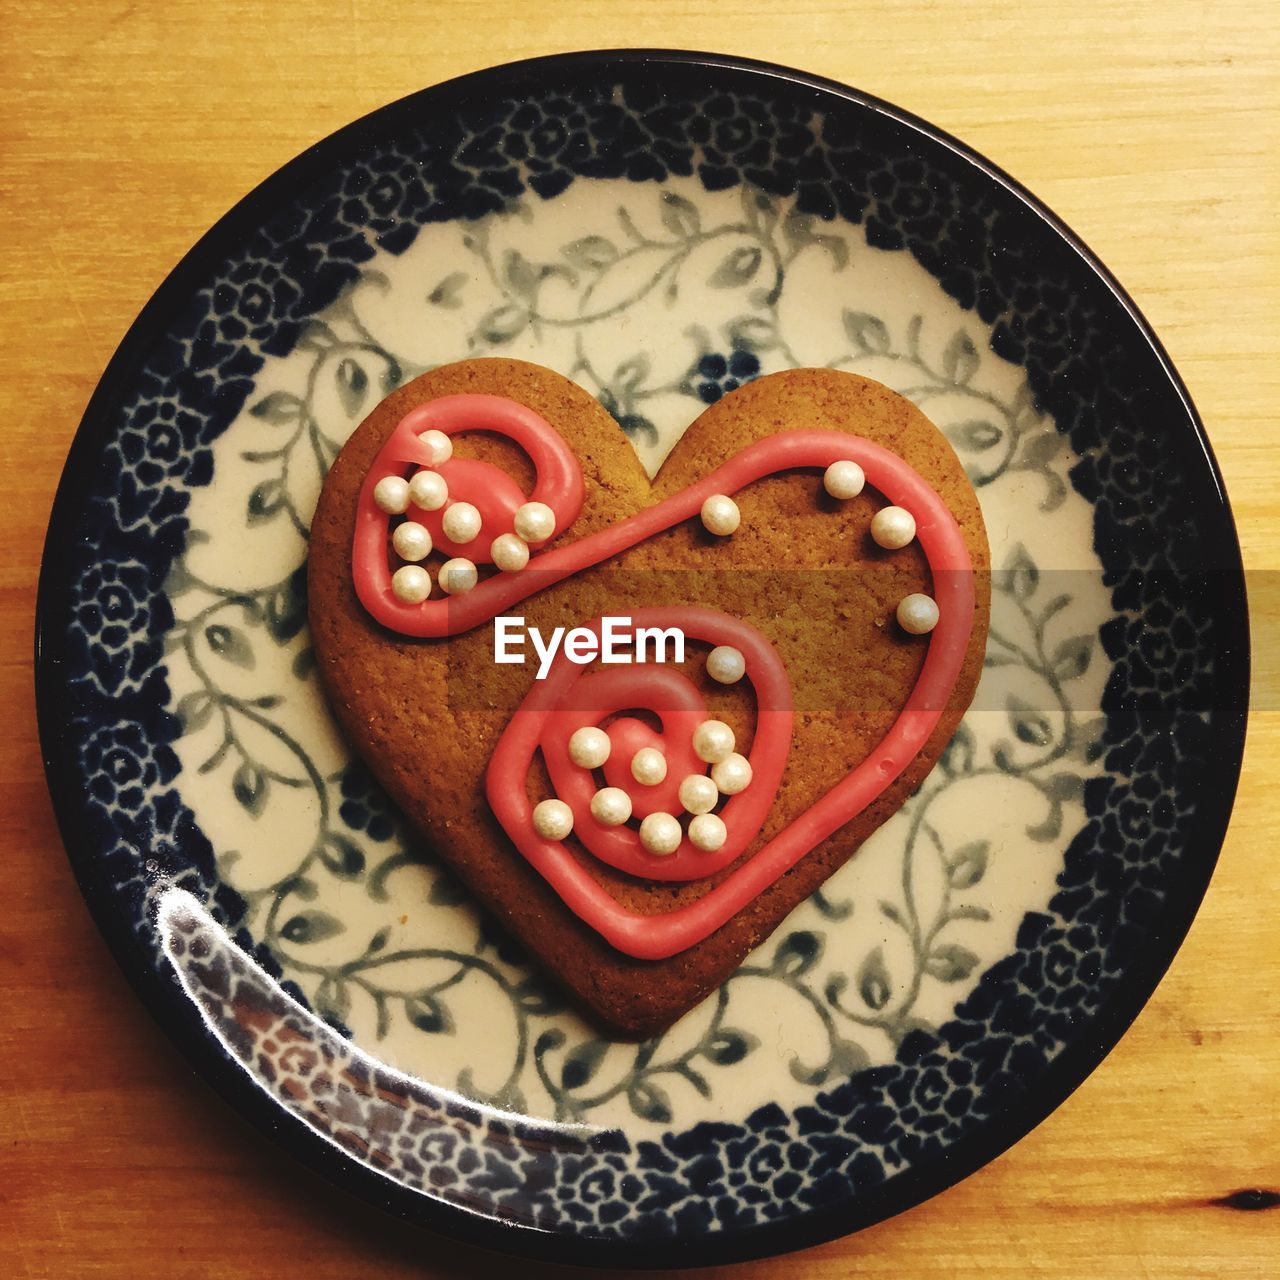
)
(725, 664)
(893, 527)
(732, 774)
(461, 522)
(428, 490)
(844, 479)
(411, 541)
(660, 833)
(391, 494)
(509, 553)
(552, 819)
(713, 740)
(708, 832)
(535, 521)
(411, 584)
(720, 515)
(437, 447)
(917, 614)
(648, 766)
(589, 747)
(698, 793)
(611, 806)
(457, 575)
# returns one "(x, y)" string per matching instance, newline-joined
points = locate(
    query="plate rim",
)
(164, 999)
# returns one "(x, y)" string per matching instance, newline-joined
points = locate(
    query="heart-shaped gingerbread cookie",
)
(731, 676)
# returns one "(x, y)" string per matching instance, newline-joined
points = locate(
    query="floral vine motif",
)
(607, 275)
(339, 367)
(1055, 739)
(218, 629)
(342, 366)
(1002, 436)
(222, 629)
(720, 1045)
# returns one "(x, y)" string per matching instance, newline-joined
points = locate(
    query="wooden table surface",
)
(125, 131)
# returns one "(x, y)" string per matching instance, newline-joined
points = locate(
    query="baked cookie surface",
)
(801, 569)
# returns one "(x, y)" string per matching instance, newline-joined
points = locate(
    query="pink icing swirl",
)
(571, 698)
(489, 489)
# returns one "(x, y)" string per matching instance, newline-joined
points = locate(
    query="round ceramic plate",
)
(661, 228)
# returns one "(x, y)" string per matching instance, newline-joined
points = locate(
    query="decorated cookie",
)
(644, 720)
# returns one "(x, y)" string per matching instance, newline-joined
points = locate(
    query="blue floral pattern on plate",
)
(149, 644)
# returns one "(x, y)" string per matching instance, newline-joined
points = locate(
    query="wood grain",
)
(1152, 128)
